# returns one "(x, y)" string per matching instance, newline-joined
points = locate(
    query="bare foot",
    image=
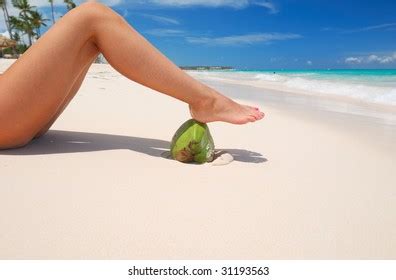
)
(221, 108)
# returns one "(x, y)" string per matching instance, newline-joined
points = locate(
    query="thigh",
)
(35, 86)
(64, 104)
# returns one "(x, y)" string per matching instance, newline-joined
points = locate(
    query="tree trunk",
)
(9, 30)
(7, 21)
(53, 15)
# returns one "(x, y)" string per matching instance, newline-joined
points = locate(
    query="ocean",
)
(376, 87)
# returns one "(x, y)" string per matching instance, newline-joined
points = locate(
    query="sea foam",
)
(375, 89)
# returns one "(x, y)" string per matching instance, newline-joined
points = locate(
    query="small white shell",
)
(223, 159)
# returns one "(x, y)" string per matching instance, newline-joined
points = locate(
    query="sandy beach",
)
(307, 182)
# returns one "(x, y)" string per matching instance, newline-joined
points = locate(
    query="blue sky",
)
(266, 34)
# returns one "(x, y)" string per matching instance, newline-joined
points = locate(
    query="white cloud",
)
(166, 32)
(5, 34)
(161, 19)
(391, 26)
(237, 4)
(372, 27)
(247, 39)
(353, 60)
(206, 3)
(381, 59)
(269, 5)
(373, 58)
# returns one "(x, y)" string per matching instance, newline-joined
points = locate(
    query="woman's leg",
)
(34, 88)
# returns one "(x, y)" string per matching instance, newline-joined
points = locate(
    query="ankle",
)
(207, 100)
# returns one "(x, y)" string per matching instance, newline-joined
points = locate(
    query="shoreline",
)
(273, 86)
(306, 103)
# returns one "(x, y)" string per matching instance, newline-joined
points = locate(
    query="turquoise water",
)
(384, 77)
(341, 72)
(369, 86)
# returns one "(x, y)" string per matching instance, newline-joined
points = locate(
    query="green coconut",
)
(193, 142)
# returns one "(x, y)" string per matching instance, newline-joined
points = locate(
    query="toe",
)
(258, 115)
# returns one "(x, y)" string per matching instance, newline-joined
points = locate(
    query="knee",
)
(93, 7)
(92, 13)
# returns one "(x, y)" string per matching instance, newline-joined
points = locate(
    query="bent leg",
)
(141, 62)
(36, 86)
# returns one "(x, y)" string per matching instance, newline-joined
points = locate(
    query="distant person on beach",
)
(35, 90)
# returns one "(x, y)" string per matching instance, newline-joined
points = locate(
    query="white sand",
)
(303, 184)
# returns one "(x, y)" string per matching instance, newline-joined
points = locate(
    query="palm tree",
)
(17, 25)
(24, 22)
(69, 4)
(23, 6)
(3, 5)
(21, 25)
(37, 21)
(52, 10)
